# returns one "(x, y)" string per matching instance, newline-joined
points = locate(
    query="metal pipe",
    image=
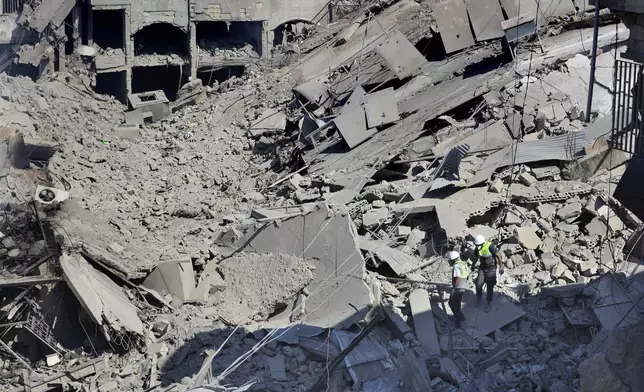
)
(593, 62)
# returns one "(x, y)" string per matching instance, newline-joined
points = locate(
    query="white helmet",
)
(453, 255)
(479, 240)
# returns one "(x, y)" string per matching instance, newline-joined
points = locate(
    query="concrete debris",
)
(233, 213)
(102, 299)
(424, 321)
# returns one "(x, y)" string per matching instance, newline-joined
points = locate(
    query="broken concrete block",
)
(554, 112)
(528, 123)
(403, 231)
(527, 179)
(543, 276)
(496, 186)
(8, 243)
(548, 244)
(276, 367)
(512, 218)
(424, 321)
(253, 196)
(130, 132)
(379, 204)
(52, 359)
(559, 270)
(547, 211)
(375, 217)
(173, 277)
(569, 211)
(616, 223)
(567, 228)
(596, 227)
(527, 237)
(550, 260)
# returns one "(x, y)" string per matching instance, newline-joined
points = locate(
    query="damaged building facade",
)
(288, 232)
(137, 46)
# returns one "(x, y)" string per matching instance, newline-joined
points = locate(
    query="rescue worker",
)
(460, 273)
(488, 257)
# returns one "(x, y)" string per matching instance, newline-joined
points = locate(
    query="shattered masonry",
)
(201, 196)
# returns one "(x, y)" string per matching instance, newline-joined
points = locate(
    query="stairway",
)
(39, 328)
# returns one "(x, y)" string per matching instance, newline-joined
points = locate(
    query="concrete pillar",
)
(60, 58)
(194, 50)
(128, 80)
(267, 40)
(129, 49)
(76, 26)
(90, 25)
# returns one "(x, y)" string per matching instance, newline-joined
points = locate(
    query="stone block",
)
(527, 179)
(527, 237)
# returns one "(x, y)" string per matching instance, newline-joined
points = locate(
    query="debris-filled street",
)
(369, 196)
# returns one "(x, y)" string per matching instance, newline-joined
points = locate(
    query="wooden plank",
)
(486, 17)
(453, 24)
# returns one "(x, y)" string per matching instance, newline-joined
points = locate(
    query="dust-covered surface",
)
(186, 189)
(256, 283)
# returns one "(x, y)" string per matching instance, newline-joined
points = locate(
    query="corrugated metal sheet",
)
(557, 148)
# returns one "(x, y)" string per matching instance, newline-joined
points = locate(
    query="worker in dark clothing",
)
(488, 257)
(460, 273)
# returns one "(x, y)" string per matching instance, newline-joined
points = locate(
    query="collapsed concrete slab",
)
(338, 293)
(479, 323)
(424, 324)
(176, 278)
(103, 300)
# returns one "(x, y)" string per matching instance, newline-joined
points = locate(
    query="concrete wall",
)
(275, 12)
(147, 12)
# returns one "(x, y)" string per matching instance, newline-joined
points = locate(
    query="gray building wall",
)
(274, 12)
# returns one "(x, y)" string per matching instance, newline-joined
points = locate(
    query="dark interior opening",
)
(229, 35)
(285, 29)
(69, 33)
(161, 38)
(432, 48)
(220, 75)
(109, 28)
(113, 84)
(23, 70)
(167, 78)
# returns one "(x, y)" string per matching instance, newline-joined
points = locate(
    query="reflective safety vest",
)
(465, 269)
(485, 256)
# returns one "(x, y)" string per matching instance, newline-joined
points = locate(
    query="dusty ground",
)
(165, 192)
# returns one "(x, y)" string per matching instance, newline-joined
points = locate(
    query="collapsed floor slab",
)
(338, 292)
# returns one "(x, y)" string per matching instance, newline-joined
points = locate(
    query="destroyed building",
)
(138, 46)
(287, 230)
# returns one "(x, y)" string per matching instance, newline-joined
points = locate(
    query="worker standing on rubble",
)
(460, 272)
(488, 257)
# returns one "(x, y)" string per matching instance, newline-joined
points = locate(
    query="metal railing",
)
(11, 6)
(628, 107)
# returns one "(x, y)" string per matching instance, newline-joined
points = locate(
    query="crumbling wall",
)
(147, 12)
(275, 12)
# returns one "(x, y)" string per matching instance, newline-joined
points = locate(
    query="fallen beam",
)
(29, 281)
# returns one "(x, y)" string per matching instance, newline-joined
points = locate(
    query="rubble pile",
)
(287, 230)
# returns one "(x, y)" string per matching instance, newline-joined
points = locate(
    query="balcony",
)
(628, 107)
